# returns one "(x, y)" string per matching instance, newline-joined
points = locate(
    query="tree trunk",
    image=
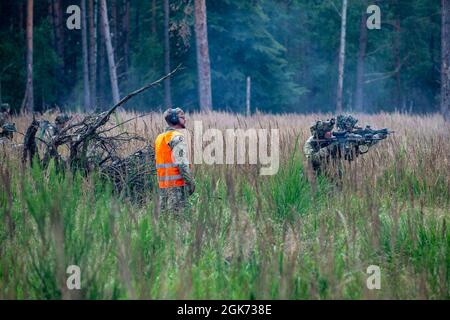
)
(398, 85)
(28, 101)
(50, 9)
(51, 14)
(167, 89)
(86, 86)
(340, 85)
(113, 25)
(126, 37)
(137, 25)
(154, 17)
(93, 52)
(20, 4)
(101, 74)
(445, 65)
(359, 92)
(59, 31)
(203, 64)
(109, 52)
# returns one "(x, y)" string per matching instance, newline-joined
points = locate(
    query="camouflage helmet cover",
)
(4, 107)
(320, 127)
(9, 127)
(62, 119)
(346, 122)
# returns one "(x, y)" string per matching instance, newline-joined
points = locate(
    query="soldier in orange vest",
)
(172, 164)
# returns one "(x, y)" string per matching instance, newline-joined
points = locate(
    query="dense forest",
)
(267, 55)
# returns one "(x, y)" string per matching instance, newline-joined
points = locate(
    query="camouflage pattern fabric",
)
(173, 200)
(7, 130)
(322, 158)
(319, 128)
(346, 122)
(180, 154)
(2, 119)
(46, 131)
(316, 154)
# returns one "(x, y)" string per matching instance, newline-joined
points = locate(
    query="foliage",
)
(288, 48)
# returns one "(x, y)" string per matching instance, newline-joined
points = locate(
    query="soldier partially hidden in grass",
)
(172, 164)
(317, 149)
(324, 149)
(7, 132)
(5, 113)
(48, 130)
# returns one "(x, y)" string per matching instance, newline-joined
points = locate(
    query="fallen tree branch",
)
(93, 149)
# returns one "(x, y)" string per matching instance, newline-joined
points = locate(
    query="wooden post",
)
(247, 100)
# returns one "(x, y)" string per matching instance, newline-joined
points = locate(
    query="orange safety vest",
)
(166, 169)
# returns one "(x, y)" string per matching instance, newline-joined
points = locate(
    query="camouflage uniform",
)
(316, 152)
(49, 130)
(174, 199)
(6, 134)
(46, 131)
(8, 130)
(346, 122)
(4, 113)
(2, 119)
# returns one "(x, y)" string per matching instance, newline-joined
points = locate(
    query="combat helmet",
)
(346, 122)
(62, 119)
(319, 128)
(8, 129)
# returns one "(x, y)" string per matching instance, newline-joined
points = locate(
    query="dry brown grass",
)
(246, 235)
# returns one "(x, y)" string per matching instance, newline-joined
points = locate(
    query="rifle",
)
(368, 132)
(350, 144)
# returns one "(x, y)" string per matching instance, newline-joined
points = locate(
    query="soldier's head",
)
(8, 130)
(175, 118)
(322, 129)
(61, 121)
(4, 108)
(346, 122)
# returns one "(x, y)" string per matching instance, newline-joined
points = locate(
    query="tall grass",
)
(244, 236)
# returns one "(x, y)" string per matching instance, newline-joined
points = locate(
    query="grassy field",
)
(245, 236)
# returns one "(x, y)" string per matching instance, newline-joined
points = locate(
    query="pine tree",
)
(203, 63)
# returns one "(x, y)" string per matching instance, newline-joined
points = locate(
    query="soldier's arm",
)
(179, 151)
(313, 155)
(308, 149)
